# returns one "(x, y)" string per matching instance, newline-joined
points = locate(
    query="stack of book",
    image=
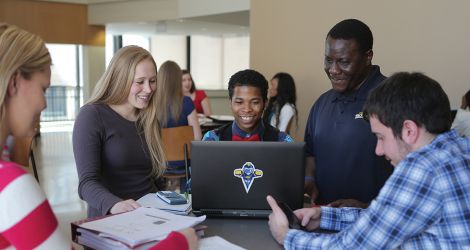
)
(152, 200)
(137, 229)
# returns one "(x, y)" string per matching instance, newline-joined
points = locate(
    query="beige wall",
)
(93, 67)
(430, 36)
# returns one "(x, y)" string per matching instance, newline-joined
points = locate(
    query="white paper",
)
(141, 225)
(94, 241)
(216, 243)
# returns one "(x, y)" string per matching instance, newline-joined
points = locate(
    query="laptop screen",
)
(237, 176)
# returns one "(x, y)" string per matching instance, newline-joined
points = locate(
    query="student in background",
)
(174, 108)
(116, 139)
(281, 110)
(425, 204)
(462, 118)
(26, 217)
(248, 95)
(199, 97)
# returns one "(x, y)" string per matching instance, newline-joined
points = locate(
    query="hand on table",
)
(309, 217)
(124, 206)
(348, 203)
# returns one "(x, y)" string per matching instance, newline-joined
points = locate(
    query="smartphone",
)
(294, 222)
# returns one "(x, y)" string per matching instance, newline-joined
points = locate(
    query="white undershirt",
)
(462, 122)
(287, 113)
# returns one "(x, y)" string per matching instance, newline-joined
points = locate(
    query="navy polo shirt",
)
(346, 166)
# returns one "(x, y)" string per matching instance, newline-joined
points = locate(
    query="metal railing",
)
(63, 103)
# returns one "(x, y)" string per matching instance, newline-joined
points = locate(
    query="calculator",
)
(171, 197)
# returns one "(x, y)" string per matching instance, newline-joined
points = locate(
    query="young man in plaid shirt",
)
(425, 204)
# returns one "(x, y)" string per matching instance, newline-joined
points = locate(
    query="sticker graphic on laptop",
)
(248, 173)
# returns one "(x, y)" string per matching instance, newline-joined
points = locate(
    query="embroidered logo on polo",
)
(248, 173)
(358, 116)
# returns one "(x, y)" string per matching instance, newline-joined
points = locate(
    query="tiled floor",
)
(58, 175)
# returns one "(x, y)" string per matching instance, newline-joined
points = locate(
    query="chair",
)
(175, 142)
(22, 153)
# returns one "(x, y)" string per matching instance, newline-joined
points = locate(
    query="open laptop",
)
(231, 178)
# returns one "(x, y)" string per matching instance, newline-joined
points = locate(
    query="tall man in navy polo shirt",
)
(342, 168)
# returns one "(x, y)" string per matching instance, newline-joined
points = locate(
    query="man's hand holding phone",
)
(278, 222)
(309, 217)
(282, 218)
(294, 222)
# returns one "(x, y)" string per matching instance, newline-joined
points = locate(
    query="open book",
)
(137, 227)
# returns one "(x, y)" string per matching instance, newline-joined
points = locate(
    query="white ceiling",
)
(204, 25)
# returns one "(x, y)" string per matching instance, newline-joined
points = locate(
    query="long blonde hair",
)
(20, 51)
(169, 92)
(113, 89)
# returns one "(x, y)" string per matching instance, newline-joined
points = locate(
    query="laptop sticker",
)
(248, 173)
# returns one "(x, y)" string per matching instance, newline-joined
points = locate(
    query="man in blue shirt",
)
(341, 167)
(425, 204)
(248, 95)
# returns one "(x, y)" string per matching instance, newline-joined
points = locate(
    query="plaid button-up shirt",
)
(425, 204)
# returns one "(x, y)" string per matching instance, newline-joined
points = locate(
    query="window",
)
(64, 96)
(213, 59)
(236, 56)
(138, 40)
(207, 62)
(127, 39)
(169, 47)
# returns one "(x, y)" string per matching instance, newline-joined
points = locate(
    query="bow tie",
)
(253, 137)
